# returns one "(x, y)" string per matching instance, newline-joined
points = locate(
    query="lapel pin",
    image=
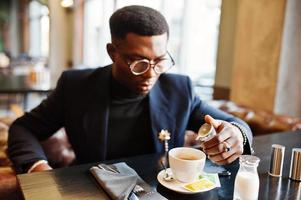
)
(164, 136)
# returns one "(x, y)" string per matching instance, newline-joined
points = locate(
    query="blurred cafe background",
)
(243, 56)
(244, 51)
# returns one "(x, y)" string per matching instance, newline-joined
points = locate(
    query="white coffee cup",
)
(186, 163)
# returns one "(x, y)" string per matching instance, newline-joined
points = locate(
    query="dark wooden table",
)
(77, 183)
(19, 85)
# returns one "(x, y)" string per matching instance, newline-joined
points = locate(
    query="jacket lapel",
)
(160, 116)
(96, 118)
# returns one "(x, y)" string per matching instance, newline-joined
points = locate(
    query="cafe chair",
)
(9, 189)
(57, 149)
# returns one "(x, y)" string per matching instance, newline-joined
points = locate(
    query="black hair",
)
(140, 20)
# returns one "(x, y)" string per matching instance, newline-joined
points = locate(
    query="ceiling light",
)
(67, 3)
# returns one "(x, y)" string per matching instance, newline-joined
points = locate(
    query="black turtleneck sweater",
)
(129, 131)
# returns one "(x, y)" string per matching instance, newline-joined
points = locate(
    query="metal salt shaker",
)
(295, 169)
(277, 158)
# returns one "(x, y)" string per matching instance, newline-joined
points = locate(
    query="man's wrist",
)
(242, 130)
(36, 165)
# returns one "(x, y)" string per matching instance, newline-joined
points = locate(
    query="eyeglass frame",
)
(152, 65)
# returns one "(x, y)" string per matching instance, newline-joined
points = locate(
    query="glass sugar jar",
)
(247, 180)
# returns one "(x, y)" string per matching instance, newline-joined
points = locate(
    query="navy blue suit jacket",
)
(80, 103)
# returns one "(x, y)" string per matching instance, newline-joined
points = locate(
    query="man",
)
(118, 110)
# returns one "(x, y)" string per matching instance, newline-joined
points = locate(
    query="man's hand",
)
(41, 167)
(227, 145)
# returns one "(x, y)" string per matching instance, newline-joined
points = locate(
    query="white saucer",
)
(175, 185)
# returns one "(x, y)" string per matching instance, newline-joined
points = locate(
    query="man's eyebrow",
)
(138, 56)
(162, 56)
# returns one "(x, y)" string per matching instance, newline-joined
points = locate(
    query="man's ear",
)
(111, 51)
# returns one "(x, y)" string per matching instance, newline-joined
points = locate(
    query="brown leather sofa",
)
(8, 181)
(60, 153)
(57, 149)
(261, 122)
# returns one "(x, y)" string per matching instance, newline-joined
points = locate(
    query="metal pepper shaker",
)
(277, 157)
(295, 169)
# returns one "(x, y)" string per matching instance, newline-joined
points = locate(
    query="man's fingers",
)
(211, 120)
(226, 146)
(217, 149)
(228, 160)
(217, 139)
(227, 157)
(222, 156)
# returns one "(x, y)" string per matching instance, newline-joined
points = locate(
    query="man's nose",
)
(150, 72)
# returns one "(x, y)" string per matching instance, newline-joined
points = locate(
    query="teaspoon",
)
(167, 176)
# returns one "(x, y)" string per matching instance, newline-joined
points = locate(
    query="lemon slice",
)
(203, 184)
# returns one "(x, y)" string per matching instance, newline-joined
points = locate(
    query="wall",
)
(257, 52)
(4, 21)
(60, 51)
(14, 29)
(288, 95)
(78, 32)
(225, 54)
(23, 17)
(249, 51)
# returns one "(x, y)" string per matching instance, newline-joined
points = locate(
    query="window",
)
(96, 32)
(38, 29)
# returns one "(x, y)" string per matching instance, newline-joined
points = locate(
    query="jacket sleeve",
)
(37, 125)
(200, 108)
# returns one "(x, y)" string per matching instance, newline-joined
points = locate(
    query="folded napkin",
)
(119, 181)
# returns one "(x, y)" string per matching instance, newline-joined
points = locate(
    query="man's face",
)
(136, 47)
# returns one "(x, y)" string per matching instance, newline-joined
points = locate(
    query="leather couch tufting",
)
(261, 122)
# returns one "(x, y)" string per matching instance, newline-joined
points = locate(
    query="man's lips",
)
(145, 86)
(146, 83)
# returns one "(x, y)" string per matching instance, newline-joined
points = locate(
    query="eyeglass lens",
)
(160, 67)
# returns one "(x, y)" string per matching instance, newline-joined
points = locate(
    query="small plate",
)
(175, 185)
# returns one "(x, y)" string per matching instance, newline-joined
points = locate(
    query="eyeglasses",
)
(139, 67)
